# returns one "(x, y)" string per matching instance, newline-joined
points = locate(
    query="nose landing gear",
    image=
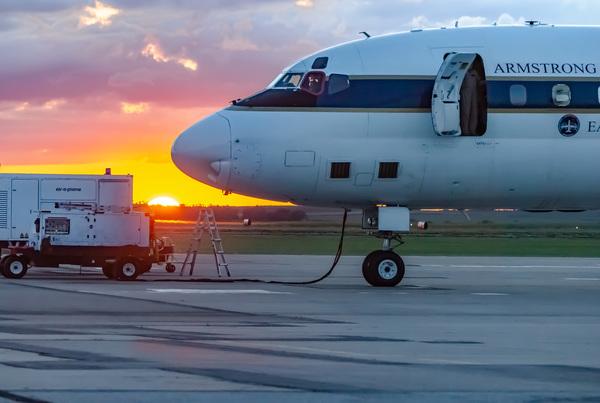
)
(385, 268)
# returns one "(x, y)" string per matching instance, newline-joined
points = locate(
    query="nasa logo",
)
(569, 125)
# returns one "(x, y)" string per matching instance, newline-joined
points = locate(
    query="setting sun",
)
(164, 201)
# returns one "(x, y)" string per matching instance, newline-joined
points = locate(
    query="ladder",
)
(205, 223)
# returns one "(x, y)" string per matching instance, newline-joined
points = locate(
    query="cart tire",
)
(108, 270)
(170, 268)
(128, 269)
(14, 266)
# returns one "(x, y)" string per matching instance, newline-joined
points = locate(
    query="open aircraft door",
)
(459, 100)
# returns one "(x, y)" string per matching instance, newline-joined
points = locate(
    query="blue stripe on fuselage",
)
(381, 93)
(416, 93)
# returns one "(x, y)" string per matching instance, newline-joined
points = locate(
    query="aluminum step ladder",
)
(205, 223)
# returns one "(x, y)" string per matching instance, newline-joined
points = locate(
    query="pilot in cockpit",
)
(314, 83)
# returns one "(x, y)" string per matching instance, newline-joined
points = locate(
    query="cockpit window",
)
(320, 63)
(314, 82)
(314, 89)
(338, 83)
(289, 80)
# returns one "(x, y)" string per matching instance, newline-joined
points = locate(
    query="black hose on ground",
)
(336, 260)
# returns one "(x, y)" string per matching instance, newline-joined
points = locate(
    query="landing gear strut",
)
(383, 268)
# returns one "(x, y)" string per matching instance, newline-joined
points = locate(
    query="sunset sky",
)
(86, 85)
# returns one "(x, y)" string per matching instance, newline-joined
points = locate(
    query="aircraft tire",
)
(383, 269)
(14, 267)
(367, 261)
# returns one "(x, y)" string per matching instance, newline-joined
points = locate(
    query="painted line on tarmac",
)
(480, 266)
(582, 279)
(369, 292)
(196, 291)
(489, 294)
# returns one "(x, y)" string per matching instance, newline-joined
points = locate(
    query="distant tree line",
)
(226, 213)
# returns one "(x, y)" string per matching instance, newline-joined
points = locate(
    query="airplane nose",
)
(204, 151)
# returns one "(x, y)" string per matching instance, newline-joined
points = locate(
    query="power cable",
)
(336, 260)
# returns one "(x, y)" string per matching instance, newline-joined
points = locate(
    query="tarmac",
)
(461, 329)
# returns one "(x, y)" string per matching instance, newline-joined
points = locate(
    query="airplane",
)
(458, 118)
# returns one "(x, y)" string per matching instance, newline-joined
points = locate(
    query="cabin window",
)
(289, 80)
(518, 95)
(598, 94)
(314, 82)
(561, 95)
(337, 83)
(388, 170)
(340, 170)
(320, 63)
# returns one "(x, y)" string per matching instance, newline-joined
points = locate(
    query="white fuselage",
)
(279, 146)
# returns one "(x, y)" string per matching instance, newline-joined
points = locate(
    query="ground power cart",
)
(123, 244)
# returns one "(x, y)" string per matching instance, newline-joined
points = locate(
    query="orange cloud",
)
(153, 51)
(99, 14)
(133, 108)
(188, 64)
(46, 106)
(53, 104)
(21, 107)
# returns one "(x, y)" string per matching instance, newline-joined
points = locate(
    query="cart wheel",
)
(14, 266)
(127, 269)
(108, 270)
(170, 268)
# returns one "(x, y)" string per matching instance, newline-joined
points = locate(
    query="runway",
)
(458, 329)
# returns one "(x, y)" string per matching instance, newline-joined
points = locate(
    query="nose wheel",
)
(383, 268)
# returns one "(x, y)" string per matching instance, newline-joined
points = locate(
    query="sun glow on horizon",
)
(165, 201)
